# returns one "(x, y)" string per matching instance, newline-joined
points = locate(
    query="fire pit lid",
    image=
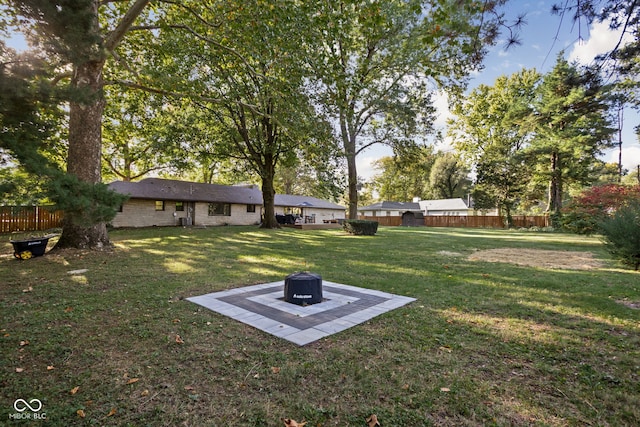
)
(303, 288)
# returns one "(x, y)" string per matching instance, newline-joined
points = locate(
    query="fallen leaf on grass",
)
(50, 368)
(18, 370)
(29, 289)
(144, 393)
(24, 342)
(189, 388)
(445, 389)
(68, 309)
(446, 348)
(74, 390)
(133, 380)
(80, 413)
(179, 339)
(372, 421)
(112, 412)
(292, 423)
(275, 369)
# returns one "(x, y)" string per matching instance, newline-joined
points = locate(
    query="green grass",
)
(484, 344)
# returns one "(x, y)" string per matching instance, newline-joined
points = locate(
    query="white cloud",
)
(630, 156)
(364, 161)
(601, 40)
(441, 102)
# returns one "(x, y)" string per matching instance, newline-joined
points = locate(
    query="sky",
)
(543, 36)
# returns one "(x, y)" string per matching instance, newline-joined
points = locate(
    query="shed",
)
(412, 219)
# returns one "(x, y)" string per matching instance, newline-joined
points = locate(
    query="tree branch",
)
(116, 36)
(179, 95)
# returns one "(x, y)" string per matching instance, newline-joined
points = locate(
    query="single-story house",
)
(165, 202)
(387, 208)
(453, 207)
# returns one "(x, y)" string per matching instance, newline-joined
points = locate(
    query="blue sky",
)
(543, 36)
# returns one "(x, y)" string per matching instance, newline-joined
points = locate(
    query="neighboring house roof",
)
(290, 200)
(392, 206)
(444, 205)
(184, 191)
(167, 189)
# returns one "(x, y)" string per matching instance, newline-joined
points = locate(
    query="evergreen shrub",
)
(361, 227)
(621, 234)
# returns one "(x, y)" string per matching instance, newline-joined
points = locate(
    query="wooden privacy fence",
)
(29, 218)
(471, 221)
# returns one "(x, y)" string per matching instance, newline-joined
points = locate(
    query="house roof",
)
(443, 205)
(184, 191)
(167, 189)
(392, 206)
(290, 200)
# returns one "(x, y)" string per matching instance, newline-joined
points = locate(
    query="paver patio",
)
(262, 306)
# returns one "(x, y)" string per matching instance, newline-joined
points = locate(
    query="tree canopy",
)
(379, 63)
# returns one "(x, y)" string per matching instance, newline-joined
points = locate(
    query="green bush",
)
(361, 227)
(621, 233)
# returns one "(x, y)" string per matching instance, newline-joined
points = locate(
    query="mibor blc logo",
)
(28, 410)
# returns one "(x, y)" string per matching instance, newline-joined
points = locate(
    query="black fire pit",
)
(303, 288)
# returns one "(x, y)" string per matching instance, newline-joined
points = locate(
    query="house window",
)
(251, 208)
(121, 208)
(179, 206)
(388, 213)
(159, 205)
(219, 209)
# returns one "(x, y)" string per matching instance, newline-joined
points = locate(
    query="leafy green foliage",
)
(361, 227)
(403, 177)
(621, 233)
(572, 128)
(448, 177)
(143, 132)
(528, 135)
(491, 131)
(377, 64)
(248, 85)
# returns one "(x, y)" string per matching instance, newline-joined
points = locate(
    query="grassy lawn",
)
(486, 343)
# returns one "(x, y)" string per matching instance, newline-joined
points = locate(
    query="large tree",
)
(572, 128)
(492, 129)
(449, 177)
(80, 36)
(243, 66)
(380, 61)
(401, 178)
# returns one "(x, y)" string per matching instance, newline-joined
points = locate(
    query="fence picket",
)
(471, 221)
(29, 218)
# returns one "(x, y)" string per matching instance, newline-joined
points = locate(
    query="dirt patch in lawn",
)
(568, 260)
(631, 304)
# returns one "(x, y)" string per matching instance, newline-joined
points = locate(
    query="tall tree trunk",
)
(353, 182)
(269, 196)
(85, 149)
(555, 189)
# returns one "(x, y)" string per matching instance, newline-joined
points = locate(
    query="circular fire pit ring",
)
(303, 288)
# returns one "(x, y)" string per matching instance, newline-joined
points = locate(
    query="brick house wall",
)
(143, 213)
(239, 215)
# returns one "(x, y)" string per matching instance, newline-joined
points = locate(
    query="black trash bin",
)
(29, 248)
(303, 288)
